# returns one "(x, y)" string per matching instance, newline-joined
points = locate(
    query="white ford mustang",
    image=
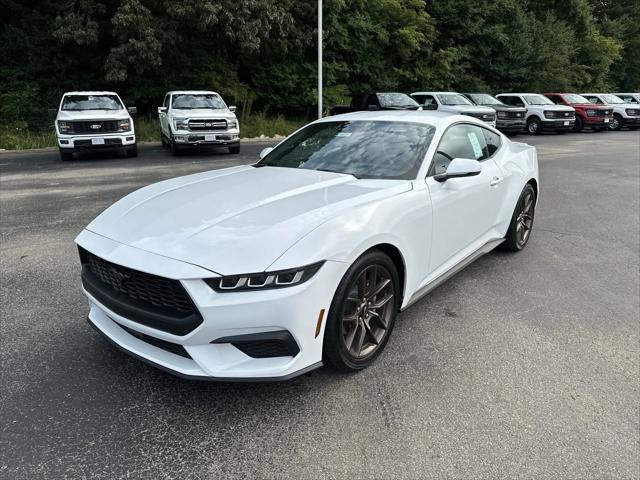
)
(266, 271)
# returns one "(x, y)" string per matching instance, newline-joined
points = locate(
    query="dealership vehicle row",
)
(99, 120)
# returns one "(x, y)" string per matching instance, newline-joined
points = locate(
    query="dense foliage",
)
(260, 54)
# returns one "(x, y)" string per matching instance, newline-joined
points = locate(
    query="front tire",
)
(616, 122)
(175, 151)
(66, 156)
(133, 152)
(234, 150)
(534, 126)
(521, 224)
(362, 314)
(579, 125)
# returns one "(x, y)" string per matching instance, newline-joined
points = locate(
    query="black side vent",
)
(264, 345)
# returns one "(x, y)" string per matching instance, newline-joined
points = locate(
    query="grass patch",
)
(17, 137)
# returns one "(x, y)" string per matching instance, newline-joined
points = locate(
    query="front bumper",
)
(510, 125)
(293, 311)
(558, 125)
(630, 121)
(596, 121)
(123, 140)
(193, 139)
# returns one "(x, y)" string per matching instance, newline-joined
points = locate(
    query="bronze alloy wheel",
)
(367, 311)
(524, 220)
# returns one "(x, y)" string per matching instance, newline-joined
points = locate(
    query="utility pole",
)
(319, 58)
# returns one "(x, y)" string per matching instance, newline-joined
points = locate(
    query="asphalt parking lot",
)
(520, 366)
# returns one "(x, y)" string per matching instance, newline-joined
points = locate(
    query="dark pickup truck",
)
(377, 101)
(509, 119)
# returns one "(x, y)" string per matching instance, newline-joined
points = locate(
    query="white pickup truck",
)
(192, 118)
(94, 121)
(455, 103)
(542, 113)
(625, 113)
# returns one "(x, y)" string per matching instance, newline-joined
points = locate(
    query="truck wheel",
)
(633, 128)
(175, 151)
(533, 126)
(234, 150)
(66, 156)
(578, 126)
(132, 152)
(616, 122)
(163, 140)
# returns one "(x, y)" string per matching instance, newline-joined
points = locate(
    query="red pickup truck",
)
(588, 115)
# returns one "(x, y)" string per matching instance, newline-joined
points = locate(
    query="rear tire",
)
(357, 330)
(131, 153)
(521, 224)
(66, 156)
(579, 125)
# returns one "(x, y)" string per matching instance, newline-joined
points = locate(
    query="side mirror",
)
(265, 152)
(132, 110)
(458, 168)
(232, 109)
(162, 109)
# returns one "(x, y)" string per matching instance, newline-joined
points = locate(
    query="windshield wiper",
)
(335, 171)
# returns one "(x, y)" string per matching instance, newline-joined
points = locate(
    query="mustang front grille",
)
(158, 302)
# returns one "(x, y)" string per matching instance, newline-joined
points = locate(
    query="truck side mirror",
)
(132, 110)
(162, 109)
(232, 109)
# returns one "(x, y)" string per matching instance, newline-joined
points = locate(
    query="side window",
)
(429, 102)
(459, 141)
(493, 141)
(419, 98)
(555, 99)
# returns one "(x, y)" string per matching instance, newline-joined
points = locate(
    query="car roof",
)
(593, 94)
(172, 92)
(627, 93)
(519, 93)
(89, 92)
(427, 117)
(431, 93)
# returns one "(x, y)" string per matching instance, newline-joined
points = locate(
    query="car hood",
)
(555, 108)
(69, 115)
(235, 220)
(203, 113)
(503, 108)
(470, 109)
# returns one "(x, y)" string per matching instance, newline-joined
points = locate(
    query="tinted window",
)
(91, 102)
(459, 141)
(511, 100)
(365, 149)
(555, 99)
(400, 100)
(493, 141)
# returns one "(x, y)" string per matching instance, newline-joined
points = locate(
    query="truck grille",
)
(208, 124)
(602, 113)
(487, 117)
(85, 127)
(514, 114)
(158, 302)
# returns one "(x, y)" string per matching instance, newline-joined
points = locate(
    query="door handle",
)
(496, 181)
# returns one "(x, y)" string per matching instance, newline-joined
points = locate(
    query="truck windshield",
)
(537, 100)
(91, 102)
(364, 149)
(191, 101)
(485, 99)
(612, 98)
(575, 98)
(453, 99)
(399, 100)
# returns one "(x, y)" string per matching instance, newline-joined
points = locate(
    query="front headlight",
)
(263, 280)
(631, 111)
(232, 123)
(181, 123)
(64, 127)
(124, 125)
(591, 112)
(502, 114)
(549, 113)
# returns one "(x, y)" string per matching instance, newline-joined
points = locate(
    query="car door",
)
(164, 118)
(465, 210)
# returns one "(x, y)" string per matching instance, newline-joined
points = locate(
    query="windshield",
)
(485, 99)
(91, 102)
(452, 99)
(191, 101)
(364, 149)
(537, 100)
(396, 100)
(575, 98)
(612, 99)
